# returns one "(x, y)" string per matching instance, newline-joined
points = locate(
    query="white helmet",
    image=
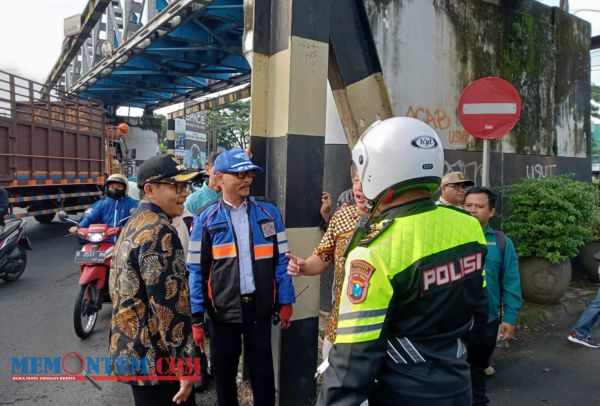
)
(400, 153)
(117, 178)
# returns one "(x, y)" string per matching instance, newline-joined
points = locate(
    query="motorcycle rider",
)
(112, 208)
(414, 280)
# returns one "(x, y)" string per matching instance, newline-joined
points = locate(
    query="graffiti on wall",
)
(539, 171)
(440, 121)
(472, 169)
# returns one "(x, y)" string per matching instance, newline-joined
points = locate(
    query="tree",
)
(162, 137)
(232, 122)
(596, 101)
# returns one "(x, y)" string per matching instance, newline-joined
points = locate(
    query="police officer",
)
(413, 280)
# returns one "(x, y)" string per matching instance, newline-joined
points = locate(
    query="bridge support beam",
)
(355, 75)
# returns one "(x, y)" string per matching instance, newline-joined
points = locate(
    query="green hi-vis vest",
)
(419, 275)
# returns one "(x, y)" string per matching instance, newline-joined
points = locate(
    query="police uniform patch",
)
(268, 229)
(358, 280)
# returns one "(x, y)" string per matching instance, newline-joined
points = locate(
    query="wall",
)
(430, 50)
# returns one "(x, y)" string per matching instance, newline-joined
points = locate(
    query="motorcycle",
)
(94, 260)
(14, 245)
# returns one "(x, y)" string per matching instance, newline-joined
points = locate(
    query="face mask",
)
(115, 193)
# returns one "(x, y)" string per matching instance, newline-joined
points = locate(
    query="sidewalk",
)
(575, 300)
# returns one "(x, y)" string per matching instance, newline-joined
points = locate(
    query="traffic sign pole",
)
(485, 169)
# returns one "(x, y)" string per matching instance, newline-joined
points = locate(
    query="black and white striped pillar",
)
(289, 77)
(355, 74)
(171, 136)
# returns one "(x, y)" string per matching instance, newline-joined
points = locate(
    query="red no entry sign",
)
(489, 108)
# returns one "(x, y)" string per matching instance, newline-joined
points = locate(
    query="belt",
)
(247, 298)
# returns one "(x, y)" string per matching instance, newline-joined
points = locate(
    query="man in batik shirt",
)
(151, 325)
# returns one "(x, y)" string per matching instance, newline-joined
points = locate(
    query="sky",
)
(31, 33)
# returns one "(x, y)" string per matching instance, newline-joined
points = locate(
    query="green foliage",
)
(232, 122)
(551, 218)
(162, 137)
(596, 99)
(596, 227)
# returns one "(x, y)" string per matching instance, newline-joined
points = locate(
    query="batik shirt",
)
(151, 314)
(331, 249)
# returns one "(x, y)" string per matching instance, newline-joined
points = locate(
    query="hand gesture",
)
(326, 206)
(295, 265)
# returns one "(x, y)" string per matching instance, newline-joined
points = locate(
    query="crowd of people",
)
(422, 288)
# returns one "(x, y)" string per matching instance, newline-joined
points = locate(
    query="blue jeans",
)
(589, 317)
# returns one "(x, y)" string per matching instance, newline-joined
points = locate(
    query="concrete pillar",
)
(171, 136)
(289, 77)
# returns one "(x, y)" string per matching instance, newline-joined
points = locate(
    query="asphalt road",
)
(540, 368)
(36, 321)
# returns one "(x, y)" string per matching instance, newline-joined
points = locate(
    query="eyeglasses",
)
(242, 175)
(457, 186)
(178, 186)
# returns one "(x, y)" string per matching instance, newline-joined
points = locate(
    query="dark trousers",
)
(480, 348)
(464, 399)
(225, 351)
(159, 395)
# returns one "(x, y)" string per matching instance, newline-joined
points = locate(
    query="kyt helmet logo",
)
(425, 142)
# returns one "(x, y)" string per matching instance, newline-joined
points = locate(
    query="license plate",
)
(92, 257)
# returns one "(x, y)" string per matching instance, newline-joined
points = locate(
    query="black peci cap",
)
(163, 167)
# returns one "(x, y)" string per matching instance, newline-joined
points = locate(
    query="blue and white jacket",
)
(214, 267)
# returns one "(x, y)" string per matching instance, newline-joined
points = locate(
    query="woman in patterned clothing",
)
(331, 249)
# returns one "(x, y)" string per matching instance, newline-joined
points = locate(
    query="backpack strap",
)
(501, 244)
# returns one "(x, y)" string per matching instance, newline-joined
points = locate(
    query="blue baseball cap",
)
(235, 160)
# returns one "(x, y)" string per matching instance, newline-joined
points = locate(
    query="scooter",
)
(14, 245)
(94, 260)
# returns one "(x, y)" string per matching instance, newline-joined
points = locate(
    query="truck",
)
(52, 149)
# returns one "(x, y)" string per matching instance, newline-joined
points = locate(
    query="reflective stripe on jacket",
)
(214, 268)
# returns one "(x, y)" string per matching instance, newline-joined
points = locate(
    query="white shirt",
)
(182, 231)
(241, 227)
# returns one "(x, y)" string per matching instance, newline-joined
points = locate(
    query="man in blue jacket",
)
(238, 275)
(113, 207)
(503, 288)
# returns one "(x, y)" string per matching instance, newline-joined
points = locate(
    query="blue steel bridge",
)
(153, 53)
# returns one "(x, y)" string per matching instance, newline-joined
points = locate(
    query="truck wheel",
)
(45, 218)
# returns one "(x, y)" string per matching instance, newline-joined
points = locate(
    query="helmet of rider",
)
(116, 193)
(396, 155)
